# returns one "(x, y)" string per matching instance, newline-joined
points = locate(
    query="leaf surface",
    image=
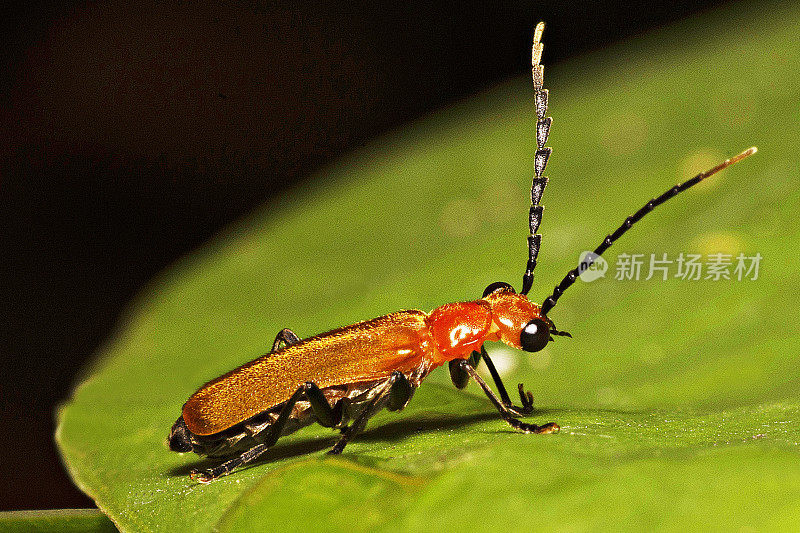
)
(678, 399)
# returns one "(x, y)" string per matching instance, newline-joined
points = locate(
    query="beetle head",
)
(516, 320)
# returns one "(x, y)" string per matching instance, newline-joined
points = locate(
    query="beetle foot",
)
(201, 476)
(526, 398)
(338, 448)
(533, 428)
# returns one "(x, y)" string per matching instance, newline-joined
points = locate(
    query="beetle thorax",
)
(510, 313)
(459, 328)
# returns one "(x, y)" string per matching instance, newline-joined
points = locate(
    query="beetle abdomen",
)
(256, 430)
(364, 352)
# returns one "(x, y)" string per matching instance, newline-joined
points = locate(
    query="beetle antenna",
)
(573, 274)
(540, 159)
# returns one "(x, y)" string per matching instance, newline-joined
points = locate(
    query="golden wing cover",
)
(366, 351)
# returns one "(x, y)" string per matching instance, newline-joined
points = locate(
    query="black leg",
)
(501, 389)
(457, 375)
(209, 474)
(525, 397)
(507, 415)
(400, 393)
(326, 415)
(284, 338)
(361, 421)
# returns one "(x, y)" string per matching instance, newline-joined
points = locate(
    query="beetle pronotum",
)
(341, 378)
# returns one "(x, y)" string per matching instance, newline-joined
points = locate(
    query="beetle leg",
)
(275, 430)
(210, 474)
(507, 415)
(361, 421)
(525, 396)
(283, 339)
(400, 393)
(501, 389)
(326, 415)
(457, 375)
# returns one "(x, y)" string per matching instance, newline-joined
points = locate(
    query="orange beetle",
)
(341, 378)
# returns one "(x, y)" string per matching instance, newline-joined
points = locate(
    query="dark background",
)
(129, 135)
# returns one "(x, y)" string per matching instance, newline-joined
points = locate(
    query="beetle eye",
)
(496, 286)
(535, 335)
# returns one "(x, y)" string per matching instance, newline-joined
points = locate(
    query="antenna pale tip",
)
(725, 164)
(750, 151)
(537, 34)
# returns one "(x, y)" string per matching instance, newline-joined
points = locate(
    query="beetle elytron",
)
(341, 378)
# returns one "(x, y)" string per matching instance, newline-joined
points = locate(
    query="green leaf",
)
(56, 521)
(678, 400)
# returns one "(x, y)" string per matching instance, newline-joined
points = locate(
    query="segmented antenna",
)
(573, 274)
(540, 159)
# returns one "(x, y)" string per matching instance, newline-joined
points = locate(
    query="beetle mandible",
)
(341, 378)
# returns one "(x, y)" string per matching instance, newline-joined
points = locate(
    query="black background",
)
(129, 135)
